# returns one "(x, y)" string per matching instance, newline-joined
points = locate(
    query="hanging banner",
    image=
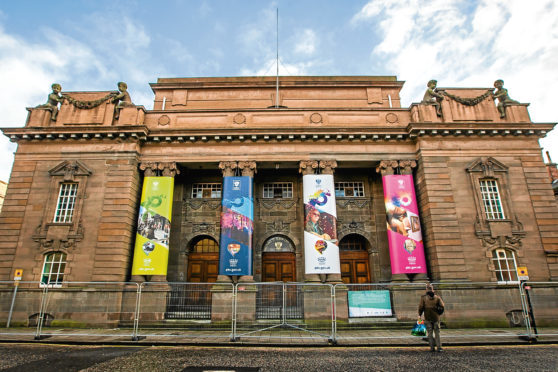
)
(406, 249)
(151, 253)
(237, 219)
(321, 252)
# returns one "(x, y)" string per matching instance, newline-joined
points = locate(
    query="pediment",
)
(486, 165)
(70, 169)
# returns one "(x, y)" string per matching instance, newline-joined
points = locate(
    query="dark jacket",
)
(428, 307)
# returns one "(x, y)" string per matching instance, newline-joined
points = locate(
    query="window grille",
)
(352, 243)
(66, 203)
(505, 265)
(349, 189)
(491, 200)
(53, 269)
(206, 190)
(278, 190)
(206, 245)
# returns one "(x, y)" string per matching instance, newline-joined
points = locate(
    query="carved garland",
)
(90, 104)
(468, 101)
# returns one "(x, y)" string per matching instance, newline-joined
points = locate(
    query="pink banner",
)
(406, 249)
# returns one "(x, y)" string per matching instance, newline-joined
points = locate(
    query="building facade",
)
(71, 210)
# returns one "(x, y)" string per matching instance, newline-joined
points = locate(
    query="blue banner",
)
(237, 221)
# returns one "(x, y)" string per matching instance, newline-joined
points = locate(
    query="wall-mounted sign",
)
(369, 303)
(18, 274)
(522, 273)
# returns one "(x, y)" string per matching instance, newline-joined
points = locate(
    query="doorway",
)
(277, 299)
(190, 300)
(278, 267)
(355, 264)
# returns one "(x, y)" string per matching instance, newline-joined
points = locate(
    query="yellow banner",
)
(151, 253)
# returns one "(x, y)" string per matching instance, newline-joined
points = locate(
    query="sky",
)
(91, 45)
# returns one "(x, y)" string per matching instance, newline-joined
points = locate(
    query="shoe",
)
(440, 350)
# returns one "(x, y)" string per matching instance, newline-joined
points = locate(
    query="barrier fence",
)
(275, 312)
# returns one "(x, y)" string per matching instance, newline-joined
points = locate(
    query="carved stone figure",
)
(122, 99)
(53, 100)
(432, 97)
(501, 94)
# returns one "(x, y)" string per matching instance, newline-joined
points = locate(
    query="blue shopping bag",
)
(419, 329)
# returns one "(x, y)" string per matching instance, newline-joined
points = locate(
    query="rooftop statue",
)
(501, 94)
(53, 100)
(432, 97)
(122, 99)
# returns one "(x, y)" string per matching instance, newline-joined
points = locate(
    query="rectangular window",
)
(278, 190)
(66, 203)
(53, 269)
(349, 189)
(505, 265)
(491, 200)
(206, 190)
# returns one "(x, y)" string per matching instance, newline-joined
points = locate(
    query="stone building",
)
(484, 199)
(3, 188)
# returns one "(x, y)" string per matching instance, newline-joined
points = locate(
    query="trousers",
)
(433, 331)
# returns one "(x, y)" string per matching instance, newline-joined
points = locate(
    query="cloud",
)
(441, 39)
(28, 69)
(269, 68)
(307, 42)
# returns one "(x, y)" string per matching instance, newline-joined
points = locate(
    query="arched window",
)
(205, 245)
(53, 269)
(352, 243)
(505, 265)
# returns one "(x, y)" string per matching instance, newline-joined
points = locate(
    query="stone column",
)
(328, 167)
(307, 167)
(248, 169)
(406, 167)
(154, 169)
(388, 167)
(228, 169)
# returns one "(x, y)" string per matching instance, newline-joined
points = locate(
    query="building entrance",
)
(203, 261)
(275, 301)
(355, 264)
(193, 301)
(279, 267)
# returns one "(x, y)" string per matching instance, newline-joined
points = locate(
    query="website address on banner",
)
(322, 267)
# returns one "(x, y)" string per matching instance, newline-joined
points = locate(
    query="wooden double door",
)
(203, 267)
(275, 301)
(355, 267)
(279, 267)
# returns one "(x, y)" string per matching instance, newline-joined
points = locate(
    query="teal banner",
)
(369, 303)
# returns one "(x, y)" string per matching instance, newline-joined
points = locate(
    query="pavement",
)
(98, 358)
(286, 335)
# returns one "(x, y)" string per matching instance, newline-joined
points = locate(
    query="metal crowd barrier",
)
(283, 311)
(387, 311)
(185, 311)
(540, 307)
(275, 311)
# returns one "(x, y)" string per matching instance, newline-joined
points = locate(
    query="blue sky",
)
(90, 45)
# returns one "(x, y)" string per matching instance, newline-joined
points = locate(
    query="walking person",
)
(432, 306)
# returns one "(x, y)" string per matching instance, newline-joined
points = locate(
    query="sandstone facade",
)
(199, 123)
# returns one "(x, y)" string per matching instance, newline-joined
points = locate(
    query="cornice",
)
(489, 129)
(335, 134)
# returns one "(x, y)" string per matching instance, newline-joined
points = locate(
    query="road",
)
(59, 358)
